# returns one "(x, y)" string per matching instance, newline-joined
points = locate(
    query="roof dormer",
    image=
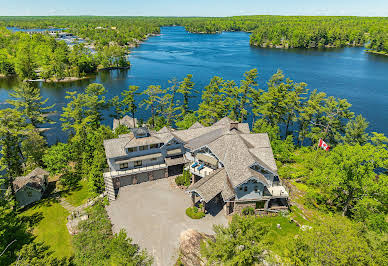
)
(140, 132)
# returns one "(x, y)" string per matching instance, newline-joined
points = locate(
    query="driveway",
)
(153, 214)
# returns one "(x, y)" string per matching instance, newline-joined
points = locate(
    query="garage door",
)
(125, 181)
(175, 169)
(143, 177)
(158, 174)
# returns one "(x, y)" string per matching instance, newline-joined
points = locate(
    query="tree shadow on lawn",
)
(68, 191)
(44, 202)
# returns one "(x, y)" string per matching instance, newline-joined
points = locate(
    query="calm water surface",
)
(346, 73)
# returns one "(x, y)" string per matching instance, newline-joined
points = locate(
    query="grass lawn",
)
(48, 220)
(277, 236)
(79, 195)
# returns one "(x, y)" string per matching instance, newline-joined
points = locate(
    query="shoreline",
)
(376, 52)
(71, 79)
(66, 79)
(270, 45)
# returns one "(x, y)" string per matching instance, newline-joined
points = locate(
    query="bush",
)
(248, 211)
(95, 243)
(195, 213)
(184, 179)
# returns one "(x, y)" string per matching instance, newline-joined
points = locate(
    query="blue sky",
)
(192, 7)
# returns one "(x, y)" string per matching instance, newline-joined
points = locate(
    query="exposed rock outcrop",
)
(190, 247)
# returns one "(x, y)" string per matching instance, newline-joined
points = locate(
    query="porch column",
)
(166, 173)
(266, 204)
(134, 180)
(227, 207)
(193, 198)
(192, 178)
(203, 206)
(150, 176)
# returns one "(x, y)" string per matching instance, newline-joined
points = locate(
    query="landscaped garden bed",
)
(195, 213)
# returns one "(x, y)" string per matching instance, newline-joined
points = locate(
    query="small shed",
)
(30, 188)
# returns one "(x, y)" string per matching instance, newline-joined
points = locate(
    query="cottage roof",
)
(126, 121)
(34, 179)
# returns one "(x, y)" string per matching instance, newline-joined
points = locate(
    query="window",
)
(123, 165)
(240, 188)
(154, 146)
(260, 204)
(132, 149)
(256, 188)
(29, 193)
(154, 159)
(245, 188)
(138, 163)
(143, 148)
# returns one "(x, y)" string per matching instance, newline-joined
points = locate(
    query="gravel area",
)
(153, 214)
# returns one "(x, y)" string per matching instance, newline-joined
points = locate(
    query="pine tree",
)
(152, 99)
(186, 88)
(128, 102)
(28, 101)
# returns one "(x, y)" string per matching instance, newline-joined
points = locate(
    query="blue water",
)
(346, 73)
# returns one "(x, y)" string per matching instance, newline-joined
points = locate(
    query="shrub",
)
(195, 213)
(184, 179)
(95, 243)
(248, 211)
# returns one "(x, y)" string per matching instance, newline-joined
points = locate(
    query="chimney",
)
(233, 125)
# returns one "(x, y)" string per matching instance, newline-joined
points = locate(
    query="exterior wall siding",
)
(250, 186)
(27, 196)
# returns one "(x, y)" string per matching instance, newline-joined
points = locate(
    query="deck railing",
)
(135, 170)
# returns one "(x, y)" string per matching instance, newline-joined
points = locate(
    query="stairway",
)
(109, 188)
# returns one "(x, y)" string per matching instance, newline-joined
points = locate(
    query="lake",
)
(349, 73)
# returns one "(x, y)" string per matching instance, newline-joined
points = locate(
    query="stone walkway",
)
(66, 205)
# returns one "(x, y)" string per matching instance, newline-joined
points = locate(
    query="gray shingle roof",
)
(34, 179)
(209, 186)
(196, 125)
(236, 149)
(126, 121)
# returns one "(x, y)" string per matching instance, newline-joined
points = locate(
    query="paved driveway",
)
(153, 214)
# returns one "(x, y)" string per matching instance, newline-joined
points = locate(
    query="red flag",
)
(323, 145)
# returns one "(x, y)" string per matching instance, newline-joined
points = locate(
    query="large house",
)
(229, 165)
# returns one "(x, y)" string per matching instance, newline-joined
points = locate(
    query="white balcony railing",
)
(203, 172)
(135, 170)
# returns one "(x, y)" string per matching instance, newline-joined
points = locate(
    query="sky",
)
(192, 7)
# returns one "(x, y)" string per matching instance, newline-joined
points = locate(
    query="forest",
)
(111, 37)
(343, 190)
(302, 32)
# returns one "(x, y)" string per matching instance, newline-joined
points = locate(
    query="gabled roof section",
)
(164, 130)
(116, 147)
(205, 139)
(230, 149)
(126, 121)
(211, 185)
(196, 125)
(223, 122)
(35, 179)
(134, 142)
